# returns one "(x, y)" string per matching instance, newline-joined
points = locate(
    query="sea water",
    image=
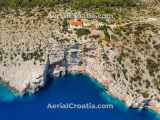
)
(6, 94)
(73, 88)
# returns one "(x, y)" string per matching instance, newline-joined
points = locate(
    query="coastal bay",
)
(74, 88)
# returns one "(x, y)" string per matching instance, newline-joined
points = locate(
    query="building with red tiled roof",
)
(75, 23)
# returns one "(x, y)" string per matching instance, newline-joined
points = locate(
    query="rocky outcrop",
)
(23, 78)
(23, 40)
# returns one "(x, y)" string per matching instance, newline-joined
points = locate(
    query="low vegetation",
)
(82, 31)
(27, 3)
(74, 3)
(152, 66)
(36, 55)
(105, 30)
(90, 3)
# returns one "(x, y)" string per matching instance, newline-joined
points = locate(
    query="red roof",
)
(76, 22)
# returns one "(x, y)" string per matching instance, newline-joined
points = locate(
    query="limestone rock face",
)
(24, 77)
(23, 53)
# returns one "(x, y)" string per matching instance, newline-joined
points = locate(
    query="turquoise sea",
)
(73, 88)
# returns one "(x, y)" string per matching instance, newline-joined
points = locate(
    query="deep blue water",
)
(71, 89)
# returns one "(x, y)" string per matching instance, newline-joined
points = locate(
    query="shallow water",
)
(71, 89)
(6, 94)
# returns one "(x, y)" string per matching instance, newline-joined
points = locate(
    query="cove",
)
(73, 88)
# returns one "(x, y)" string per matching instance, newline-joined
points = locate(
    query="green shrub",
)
(152, 66)
(145, 94)
(97, 3)
(74, 3)
(82, 31)
(28, 3)
(105, 30)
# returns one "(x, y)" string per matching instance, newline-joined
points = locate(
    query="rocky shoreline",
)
(122, 56)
